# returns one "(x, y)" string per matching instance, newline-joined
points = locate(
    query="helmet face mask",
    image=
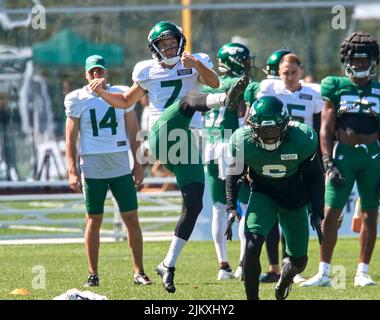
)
(162, 31)
(360, 54)
(269, 119)
(360, 66)
(235, 59)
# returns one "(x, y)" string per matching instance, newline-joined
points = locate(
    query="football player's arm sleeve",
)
(232, 189)
(314, 178)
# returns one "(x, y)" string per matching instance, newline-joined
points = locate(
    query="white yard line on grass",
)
(147, 236)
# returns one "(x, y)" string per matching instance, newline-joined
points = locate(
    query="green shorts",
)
(218, 186)
(122, 188)
(262, 214)
(360, 164)
(173, 144)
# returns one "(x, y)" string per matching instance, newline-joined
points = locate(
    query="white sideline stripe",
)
(5, 224)
(65, 183)
(58, 229)
(39, 212)
(52, 229)
(79, 196)
(164, 236)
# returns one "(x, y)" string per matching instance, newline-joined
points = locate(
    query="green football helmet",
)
(235, 59)
(268, 119)
(271, 69)
(166, 30)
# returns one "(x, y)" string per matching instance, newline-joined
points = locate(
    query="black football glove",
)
(332, 172)
(233, 216)
(315, 222)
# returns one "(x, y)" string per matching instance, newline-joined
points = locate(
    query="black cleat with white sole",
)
(283, 288)
(167, 275)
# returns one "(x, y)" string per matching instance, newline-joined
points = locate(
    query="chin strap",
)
(171, 61)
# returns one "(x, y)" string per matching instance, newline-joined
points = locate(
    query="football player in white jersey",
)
(104, 162)
(168, 77)
(304, 103)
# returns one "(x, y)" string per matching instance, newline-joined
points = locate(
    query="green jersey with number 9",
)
(278, 171)
(167, 85)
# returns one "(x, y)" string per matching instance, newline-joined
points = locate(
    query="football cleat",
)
(283, 288)
(92, 280)
(225, 274)
(167, 275)
(141, 278)
(319, 280)
(298, 279)
(270, 277)
(235, 94)
(363, 280)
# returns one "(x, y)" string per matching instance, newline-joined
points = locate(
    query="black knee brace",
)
(192, 195)
(251, 264)
(192, 102)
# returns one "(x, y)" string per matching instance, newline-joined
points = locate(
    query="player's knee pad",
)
(293, 265)
(299, 262)
(192, 195)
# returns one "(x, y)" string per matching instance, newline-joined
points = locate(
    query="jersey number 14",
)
(108, 121)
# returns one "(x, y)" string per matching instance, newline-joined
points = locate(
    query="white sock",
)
(174, 251)
(218, 228)
(215, 100)
(324, 268)
(362, 267)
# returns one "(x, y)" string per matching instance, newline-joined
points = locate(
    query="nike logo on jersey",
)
(121, 143)
(184, 72)
(311, 135)
(289, 156)
(375, 156)
(305, 96)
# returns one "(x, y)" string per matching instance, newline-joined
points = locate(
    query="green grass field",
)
(195, 278)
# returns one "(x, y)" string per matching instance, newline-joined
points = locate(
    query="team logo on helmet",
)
(268, 119)
(235, 59)
(165, 30)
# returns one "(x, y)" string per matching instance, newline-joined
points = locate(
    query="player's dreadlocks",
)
(359, 45)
